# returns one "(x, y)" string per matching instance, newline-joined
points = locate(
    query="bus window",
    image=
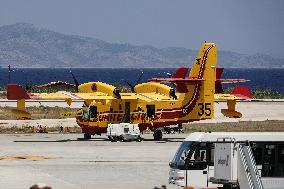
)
(257, 153)
(200, 157)
(280, 167)
(194, 156)
(185, 150)
(281, 154)
(150, 110)
(93, 112)
(211, 156)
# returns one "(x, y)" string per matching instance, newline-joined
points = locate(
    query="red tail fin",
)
(15, 92)
(180, 73)
(242, 92)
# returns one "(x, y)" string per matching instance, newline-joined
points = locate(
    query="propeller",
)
(75, 81)
(138, 81)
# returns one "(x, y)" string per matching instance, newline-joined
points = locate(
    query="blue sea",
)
(260, 78)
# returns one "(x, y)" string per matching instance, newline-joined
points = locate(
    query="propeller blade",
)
(138, 81)
(131, 86)
(75, 81)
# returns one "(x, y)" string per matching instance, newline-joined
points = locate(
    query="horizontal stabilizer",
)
(175, 80)
(227, 81)
(242, 92)
(180, 73)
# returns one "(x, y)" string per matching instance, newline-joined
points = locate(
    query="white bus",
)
(193, 163)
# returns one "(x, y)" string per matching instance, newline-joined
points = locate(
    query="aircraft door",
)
(127, 112)
(150, 111)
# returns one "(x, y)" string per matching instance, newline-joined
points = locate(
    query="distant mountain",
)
(24, 45)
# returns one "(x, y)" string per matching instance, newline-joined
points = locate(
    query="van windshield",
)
(183, 152)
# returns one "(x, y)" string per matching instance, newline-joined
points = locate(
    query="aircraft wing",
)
(15, 92)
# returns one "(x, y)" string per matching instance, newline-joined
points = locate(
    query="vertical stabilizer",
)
(204, 69)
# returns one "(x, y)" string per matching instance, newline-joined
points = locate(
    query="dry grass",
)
(29, 129)
(41, 112)
(243, 126)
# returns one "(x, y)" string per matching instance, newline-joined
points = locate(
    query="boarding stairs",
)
(248, 175)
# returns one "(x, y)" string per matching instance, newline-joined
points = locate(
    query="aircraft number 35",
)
(204, 108)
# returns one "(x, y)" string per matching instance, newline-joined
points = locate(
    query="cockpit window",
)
(85, 114)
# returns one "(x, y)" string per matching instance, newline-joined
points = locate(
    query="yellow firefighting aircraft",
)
(151, 105)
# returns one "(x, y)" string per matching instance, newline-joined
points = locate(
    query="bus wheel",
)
(158, 135)
(87, 136)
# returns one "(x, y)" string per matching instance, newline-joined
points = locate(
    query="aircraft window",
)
(150, 110)
(93, 112)
(94, 87)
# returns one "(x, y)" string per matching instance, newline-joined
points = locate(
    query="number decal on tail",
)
(204, 108)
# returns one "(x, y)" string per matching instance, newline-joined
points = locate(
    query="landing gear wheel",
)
(87, 136)
(158, 135)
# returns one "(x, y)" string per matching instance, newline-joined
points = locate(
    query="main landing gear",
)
(158, 135)
(87, 136)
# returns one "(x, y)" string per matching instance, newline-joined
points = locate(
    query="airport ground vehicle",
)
(123, 132)
(202, 159)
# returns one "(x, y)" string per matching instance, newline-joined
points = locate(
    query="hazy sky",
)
(245, 26)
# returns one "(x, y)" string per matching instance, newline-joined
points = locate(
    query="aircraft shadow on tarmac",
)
(164, 140)
(65, 140)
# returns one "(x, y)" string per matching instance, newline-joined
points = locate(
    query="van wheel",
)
(158, 135)
(112, 139)
(87, 136)
(139, 139)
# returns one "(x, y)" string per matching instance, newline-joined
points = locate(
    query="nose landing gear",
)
(158, 135)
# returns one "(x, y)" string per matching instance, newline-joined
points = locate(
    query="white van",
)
(123, 132)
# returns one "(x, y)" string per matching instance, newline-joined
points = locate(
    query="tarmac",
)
(73, 163)
(66, 161)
